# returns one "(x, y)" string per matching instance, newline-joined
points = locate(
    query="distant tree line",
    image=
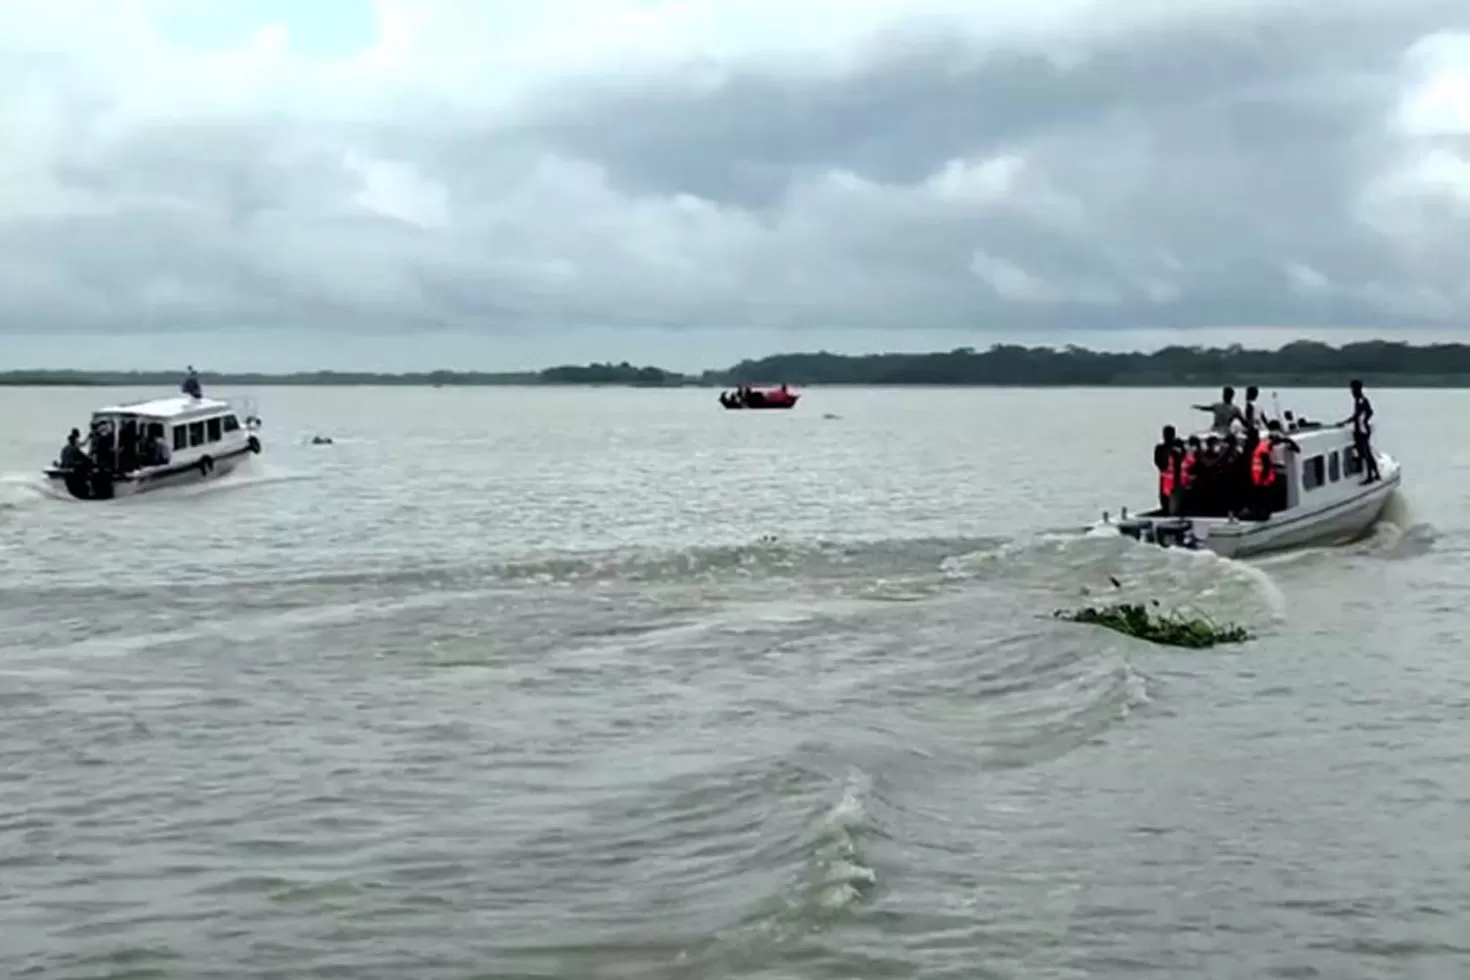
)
(611, 374)
(1301, 364)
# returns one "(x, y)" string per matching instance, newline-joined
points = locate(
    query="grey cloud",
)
(1187, 169)
(936, 95)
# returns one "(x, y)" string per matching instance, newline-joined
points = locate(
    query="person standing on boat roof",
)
(1254, 418)
(1362, 420)
(1225, 411)
(1169, 461)
(190, 386)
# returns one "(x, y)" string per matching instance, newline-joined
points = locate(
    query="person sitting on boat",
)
(1362, 422)
(155, 449)
(72, 456)
(1225, 411)
(191, 386)
(1169, 461)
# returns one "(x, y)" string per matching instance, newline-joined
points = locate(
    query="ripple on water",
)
(567, 716)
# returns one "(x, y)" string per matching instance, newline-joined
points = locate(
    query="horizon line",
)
(1234, 350)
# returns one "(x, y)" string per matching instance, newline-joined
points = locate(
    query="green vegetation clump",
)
(1166, 628)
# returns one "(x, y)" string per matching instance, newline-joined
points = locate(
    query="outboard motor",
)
(1176, 534)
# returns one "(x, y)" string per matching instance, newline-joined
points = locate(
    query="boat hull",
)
(768, 406)
(104, 486)
(1340, 522)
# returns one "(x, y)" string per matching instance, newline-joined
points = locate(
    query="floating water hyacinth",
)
(1156, 626)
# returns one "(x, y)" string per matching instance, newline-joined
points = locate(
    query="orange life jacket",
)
(1263, 471)
(1186, 470)
(1167, 480)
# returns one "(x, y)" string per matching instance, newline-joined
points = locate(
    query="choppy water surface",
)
(614, 684)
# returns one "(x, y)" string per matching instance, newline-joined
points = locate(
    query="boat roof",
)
(1338, 430)
(164, 408)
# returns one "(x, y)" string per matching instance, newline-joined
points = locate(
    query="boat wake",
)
(774, 738)
(21, 490)
(256, 473)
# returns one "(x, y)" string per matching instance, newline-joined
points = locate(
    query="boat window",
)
(181, 437)
(196, 433)
(232, 424)
(212, 426)
(1312, 473)
(1351, 464)
(1333, 472)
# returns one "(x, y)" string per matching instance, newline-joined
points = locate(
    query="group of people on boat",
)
(115, 449)
(1231, 471)
(124, 448)
(744, 396)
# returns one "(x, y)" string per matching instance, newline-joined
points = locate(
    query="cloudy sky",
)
(496, 184)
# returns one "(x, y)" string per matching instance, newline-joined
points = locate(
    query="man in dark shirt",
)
(1169, 460)
(1208, 480)
(1362, 423)
(72, 457)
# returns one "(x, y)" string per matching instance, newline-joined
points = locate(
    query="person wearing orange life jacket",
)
(1168, 458)
(1263, 469)
(1188, 465)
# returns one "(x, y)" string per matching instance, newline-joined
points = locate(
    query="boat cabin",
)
(175, 432)
(1326, 471)
(1323, 471)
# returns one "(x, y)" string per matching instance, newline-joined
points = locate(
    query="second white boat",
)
(1325, 501)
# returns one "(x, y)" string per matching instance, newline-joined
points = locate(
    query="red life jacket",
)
(1166, 475)
(1263, 471)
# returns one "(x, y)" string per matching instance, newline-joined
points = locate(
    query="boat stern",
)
(1151, 528)
(81, 484)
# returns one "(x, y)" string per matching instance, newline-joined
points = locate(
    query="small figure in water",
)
(1362, 420)
(190, 386)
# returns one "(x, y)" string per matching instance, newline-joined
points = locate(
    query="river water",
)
(614, 684)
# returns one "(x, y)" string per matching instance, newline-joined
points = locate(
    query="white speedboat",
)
(1325, 501)
(165, 442)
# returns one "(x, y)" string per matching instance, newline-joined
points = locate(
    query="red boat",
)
(753, 398)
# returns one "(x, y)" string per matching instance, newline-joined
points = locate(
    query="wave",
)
(19, 490)
(23, 490)
(893, 570)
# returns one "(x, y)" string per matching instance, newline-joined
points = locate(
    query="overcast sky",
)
(496, 184)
